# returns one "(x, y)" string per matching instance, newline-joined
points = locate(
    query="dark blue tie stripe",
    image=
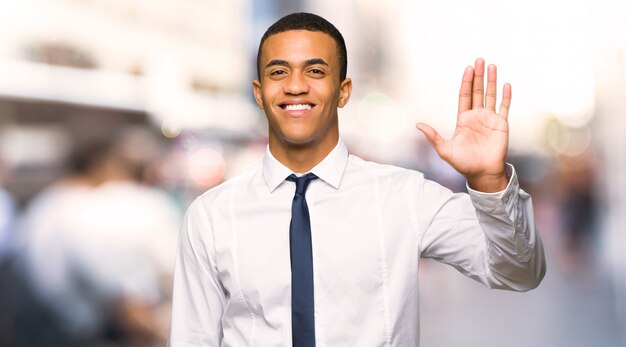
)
(302, 300)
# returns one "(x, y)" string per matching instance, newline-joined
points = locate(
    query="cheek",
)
(330, 95)
(330, 105)
(270, 94)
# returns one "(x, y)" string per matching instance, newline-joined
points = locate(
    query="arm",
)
(198, 297)
(489, 237)
(493, 241)
(516, 256)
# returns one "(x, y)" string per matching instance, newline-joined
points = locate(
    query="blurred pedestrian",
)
(100, 246)
(7, 223)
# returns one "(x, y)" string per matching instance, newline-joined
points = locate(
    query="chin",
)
(297, 138)
(298, 141)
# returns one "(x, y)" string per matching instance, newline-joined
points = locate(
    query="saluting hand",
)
(479, 145)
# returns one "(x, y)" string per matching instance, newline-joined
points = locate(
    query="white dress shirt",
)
(370, 224)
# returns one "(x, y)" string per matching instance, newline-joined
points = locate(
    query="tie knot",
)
(302, 182)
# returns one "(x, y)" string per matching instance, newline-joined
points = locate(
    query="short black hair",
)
(310, 22)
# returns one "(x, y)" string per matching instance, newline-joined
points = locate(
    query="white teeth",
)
(298, 107)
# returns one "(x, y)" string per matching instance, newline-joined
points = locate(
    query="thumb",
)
(432, 136)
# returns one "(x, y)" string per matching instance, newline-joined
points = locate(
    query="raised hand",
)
(479, 145)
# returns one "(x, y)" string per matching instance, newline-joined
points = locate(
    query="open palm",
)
(479, 145)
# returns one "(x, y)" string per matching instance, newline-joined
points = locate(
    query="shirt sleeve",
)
(490, 237)
(198, 296)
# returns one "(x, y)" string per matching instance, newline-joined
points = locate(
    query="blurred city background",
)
(115, 114)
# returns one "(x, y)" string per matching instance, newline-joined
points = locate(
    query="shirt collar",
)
(329, 170)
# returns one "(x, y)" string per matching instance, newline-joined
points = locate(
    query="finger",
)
(478, 85)
(465, 94)
(506, 101)
(432, 136)
(490, 94)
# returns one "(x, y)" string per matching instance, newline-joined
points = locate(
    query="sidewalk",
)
(577, 310)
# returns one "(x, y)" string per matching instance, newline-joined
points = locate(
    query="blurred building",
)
(611, 127)
(72, 70)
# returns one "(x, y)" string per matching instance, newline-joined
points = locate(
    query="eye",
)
(317, 72)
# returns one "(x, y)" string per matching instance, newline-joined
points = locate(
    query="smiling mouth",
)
(296, 107)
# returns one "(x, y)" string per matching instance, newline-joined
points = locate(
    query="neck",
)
(301, 158)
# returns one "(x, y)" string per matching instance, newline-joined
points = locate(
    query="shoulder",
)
(390, 180)
(398, 182)
(382, 172)
(222, 194)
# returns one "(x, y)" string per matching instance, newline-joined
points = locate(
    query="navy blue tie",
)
(302, 301)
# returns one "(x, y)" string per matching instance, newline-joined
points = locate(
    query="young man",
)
(332, 260)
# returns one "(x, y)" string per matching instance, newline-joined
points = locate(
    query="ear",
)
(256, 89)
(345, 90)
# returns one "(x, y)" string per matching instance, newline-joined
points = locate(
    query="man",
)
(336, 263)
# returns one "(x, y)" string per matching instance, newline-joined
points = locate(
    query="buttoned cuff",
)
(510, 207)
(489, 202)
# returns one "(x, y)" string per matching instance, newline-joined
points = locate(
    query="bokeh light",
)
(170, 128)
(206, 167)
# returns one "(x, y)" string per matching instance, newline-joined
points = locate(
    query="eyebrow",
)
(315, 61)
(276, 62)
(308, 62)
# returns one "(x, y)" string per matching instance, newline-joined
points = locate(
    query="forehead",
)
(299, 45)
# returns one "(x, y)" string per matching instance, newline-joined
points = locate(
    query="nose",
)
(296, 84)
